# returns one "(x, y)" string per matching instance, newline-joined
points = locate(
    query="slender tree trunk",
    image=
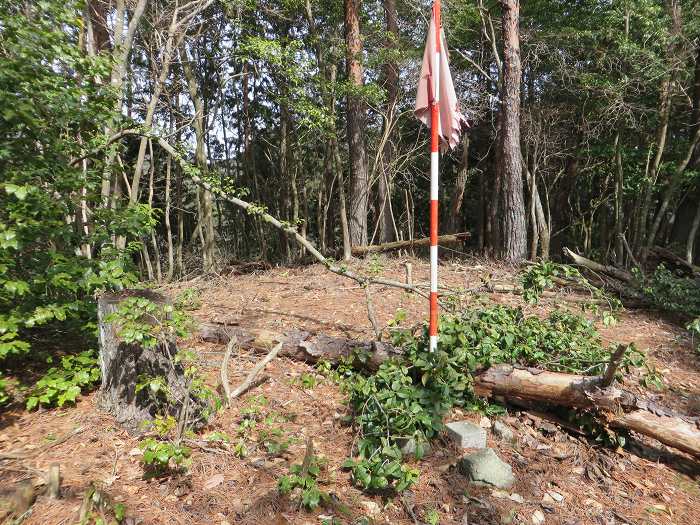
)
(619, 219)
(454, 219)
(695, 160)
(390, 72)
(509, 162)
(359, 182)
(206, 200)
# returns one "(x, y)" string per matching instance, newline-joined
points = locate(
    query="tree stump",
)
(124, 365)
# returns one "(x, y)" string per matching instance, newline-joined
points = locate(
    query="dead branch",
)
(245, 385)
(615, 361)
(619, 408)
(359, 251)
(597, 267)
(224, 369)
(371, 316)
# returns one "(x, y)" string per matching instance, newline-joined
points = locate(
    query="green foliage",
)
(432, 517)
(408, 398)
(146, 323)
(543, 275)
(669, 292)
(4, 394)
(563, 342)
(305, 479)
(305, 380)
(378, 467)
(63, 384)
(51, 264)
(160, 457)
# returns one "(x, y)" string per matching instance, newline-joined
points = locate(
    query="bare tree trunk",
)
(619, 219)
(390, 72)
(454, 219)
(359, 182)
(509, 162)
(206, 220)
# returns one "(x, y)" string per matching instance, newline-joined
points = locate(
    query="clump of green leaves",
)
(304, 478)
(64, 383)
(160, 457)
(669, 292)
(545, 275)
(407, 398)
(378, 468)
(97, 505)
(4, 394)
(306, 381)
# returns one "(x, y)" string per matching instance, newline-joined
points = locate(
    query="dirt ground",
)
(566, 477)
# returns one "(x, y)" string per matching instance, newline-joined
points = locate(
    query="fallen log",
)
(359, 251)
(620, 409)
(623, 275)
(302, 346)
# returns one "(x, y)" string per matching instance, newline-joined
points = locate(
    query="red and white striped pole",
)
(434, 160)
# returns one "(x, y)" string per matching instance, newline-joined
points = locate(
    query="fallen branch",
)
(224, 370)
(597, 267)
(359, 251)
(302, 346)
(245, 385)
(619, 408)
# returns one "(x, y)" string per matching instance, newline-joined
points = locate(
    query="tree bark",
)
(359, 181)
(454, 219)
(124, 365)
(206, 204)
(509, 162)
(620, 408)
(390, 72)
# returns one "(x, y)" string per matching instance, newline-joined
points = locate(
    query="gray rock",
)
(466, 434)
(502, 431)
(485, 468)
(408, 446)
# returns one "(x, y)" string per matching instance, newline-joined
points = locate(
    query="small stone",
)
(547, 501)
(485, 422)
(555, 496)
(517, 498)
(485, 468)
(372, 508)
(501, 431)
(538, 517)
(466, 434)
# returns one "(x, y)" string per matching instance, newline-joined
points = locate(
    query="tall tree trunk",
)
(619, 219)
(359, 182)
(390, 72)
(695, 160)
(206, 200)
(509, 162)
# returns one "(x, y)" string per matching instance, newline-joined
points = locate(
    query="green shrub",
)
(408, 398)
(160, 457)
(65, 383)
(305, 480)
(669, 292)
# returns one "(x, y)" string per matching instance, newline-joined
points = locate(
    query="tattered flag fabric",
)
(451, 120)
